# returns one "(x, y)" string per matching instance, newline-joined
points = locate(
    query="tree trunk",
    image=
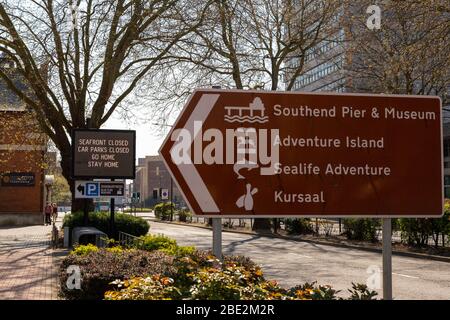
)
(276, 224)
(262, 225)
(78, 205)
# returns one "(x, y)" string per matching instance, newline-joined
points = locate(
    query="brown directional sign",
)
(103, 154)
(271, 154)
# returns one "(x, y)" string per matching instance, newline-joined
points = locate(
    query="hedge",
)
(135, 226)
(362, 229)
(163, 210)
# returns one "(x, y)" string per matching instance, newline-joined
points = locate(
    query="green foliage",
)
(149, 288)
(312, 291)
(163, 243)
(167, 271)
(162, 210)
(362, 229)
(180, 251)
(124, 222)
(226, 283)
(299, 226)
(82, 250)
(416, 232)
(216, 284)
(116, 250)
(155, 242)
(61, 190)
(184, 215)
(361, 292)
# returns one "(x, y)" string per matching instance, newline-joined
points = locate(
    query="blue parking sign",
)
(92, 189)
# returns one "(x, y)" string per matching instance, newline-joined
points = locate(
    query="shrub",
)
(233, 282)
(311, 291)
(117, 249)
(83, 250)
(415, 232)
(126, 223)
(162, 210)
(216, 284)
(155, 242)
(299, 226)
(100, 268)
(184, 215)
(361, 292)
(164, 244)
(149, 288)
(362, 229)
(230, 283)
(131, 274)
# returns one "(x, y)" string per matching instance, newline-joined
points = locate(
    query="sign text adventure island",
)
(272, 154)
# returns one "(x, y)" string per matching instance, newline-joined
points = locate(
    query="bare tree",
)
(408, 55)
(255, 44)
(248, 44)
(83, 58)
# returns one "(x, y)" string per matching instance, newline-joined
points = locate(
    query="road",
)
(292, 262)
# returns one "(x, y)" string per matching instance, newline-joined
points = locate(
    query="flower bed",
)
(157, 268)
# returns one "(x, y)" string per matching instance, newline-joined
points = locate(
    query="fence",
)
(324, 227)
(128, 240)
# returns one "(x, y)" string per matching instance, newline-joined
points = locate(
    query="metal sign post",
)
(217, 237)
(111, 218)
(387, 259)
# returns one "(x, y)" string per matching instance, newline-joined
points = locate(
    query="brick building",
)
(22, 150)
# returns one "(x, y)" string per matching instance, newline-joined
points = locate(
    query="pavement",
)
(28, 265)
(293, 262)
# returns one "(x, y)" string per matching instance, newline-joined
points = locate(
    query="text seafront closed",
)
(106, 154)
(268, 154)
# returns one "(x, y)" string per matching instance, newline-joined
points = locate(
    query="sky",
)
(148, 136)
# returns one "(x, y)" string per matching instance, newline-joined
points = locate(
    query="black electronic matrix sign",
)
(108, 154)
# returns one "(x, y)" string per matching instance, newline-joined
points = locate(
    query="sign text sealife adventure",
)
(237, 153)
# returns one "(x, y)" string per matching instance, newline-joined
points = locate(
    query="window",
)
(320, 71)
(447, 186)
(446, 148)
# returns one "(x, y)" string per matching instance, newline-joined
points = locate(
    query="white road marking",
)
(299, 255)
(405, 275)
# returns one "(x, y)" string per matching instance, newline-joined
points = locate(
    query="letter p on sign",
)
(92, 189)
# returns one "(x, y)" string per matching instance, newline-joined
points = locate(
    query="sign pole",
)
(171, 200)
(86, 201)
(387, 259)
(217, 237)
(85, 213)
(111, 218)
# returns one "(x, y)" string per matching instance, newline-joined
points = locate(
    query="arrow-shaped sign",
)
(81, 189)
(236, 153)
(188, 170)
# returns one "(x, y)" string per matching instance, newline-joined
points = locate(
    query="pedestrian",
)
(48, 213)
(54, 212)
